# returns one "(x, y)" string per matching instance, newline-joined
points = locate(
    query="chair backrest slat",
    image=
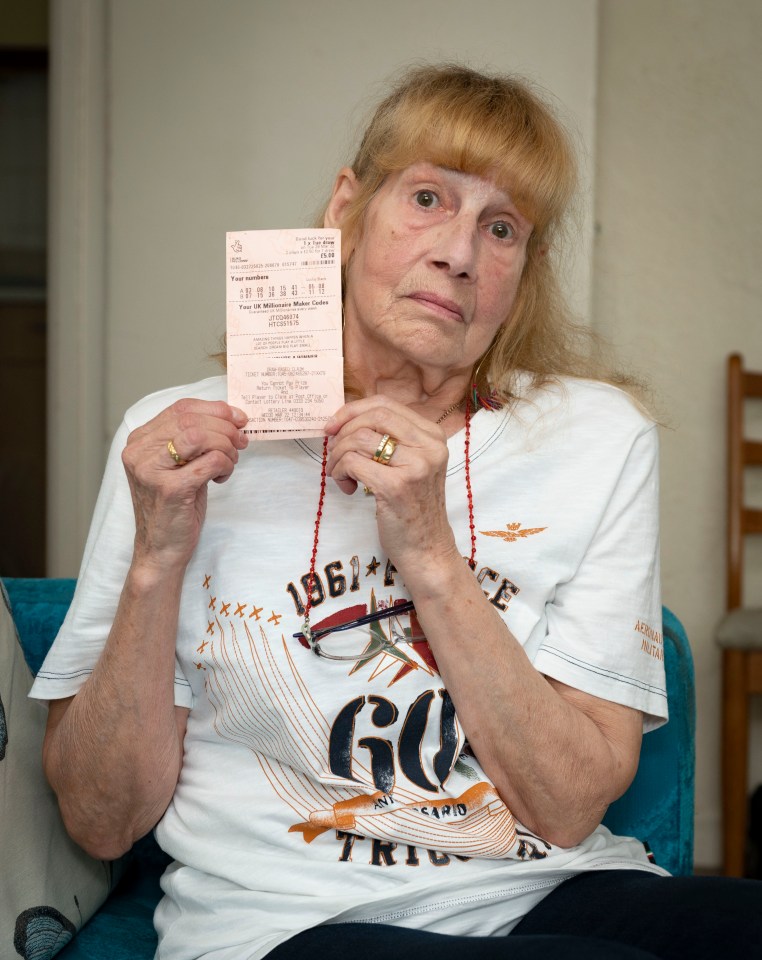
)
(752, 384)
(752, 521)
(742, 385)
(752, 453)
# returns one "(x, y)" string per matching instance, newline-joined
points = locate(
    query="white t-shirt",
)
(315, 790)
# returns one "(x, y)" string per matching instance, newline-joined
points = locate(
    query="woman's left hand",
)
(409, 489)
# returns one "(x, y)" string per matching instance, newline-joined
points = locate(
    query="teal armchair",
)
(658, 807)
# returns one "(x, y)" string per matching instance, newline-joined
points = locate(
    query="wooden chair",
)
(740, 632)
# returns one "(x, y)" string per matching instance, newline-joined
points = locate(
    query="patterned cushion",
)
(48, 886)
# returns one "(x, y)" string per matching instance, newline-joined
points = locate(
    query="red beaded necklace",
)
(469, 497)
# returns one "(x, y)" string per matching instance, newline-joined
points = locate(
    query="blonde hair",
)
(497, 127)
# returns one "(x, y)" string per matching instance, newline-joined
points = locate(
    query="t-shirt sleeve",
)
(106, 560)
(604, 627)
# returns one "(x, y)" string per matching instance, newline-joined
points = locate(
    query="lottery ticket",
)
(284, 350)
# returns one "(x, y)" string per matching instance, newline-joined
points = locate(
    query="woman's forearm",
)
(557, 756)
(113, 752)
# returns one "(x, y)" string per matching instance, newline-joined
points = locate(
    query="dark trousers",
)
(601, 915)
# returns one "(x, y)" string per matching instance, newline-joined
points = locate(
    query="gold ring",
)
(380, 448)
(385, 450)
(367, 491)
(388, 452)
(175, 455)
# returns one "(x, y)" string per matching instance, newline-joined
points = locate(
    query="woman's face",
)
(437, 267)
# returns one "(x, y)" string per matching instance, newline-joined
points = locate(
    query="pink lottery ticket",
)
(284, 351)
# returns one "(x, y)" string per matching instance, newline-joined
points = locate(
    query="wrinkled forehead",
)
(481, 188)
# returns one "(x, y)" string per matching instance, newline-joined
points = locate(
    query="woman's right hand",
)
(169, 499)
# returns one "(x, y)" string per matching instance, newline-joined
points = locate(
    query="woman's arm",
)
(113, 752)
(557, 756)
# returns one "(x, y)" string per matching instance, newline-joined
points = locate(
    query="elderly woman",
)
(376, 692)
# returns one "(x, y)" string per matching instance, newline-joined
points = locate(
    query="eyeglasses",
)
(373, 643)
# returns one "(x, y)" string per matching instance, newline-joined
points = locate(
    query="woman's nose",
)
(455, 247)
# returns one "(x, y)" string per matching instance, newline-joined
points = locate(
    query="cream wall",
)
(678, 285)
(176, 120)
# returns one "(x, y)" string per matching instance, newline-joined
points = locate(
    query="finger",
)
(202, 457)
(189, 429)
(386, 479)
(357, 437)
(402, 444)
(152, 468)
(380, 413)
(189, 414)
(411, 473)
(192, 438)
(206, 447)
(367, 433)
(213, 408)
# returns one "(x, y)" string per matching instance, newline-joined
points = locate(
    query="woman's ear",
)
(344, 191)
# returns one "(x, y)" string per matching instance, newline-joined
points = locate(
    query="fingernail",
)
(239, 416)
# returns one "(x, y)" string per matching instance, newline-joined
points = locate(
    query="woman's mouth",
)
(439, 305)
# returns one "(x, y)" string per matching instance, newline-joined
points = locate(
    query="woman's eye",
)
(502, 230)
(426, 198)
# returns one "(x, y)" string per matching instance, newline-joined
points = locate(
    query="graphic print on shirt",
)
(513, 532)
(389, 767)
(385, 645)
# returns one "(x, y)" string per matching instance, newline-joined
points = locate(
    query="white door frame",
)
(77, 287)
